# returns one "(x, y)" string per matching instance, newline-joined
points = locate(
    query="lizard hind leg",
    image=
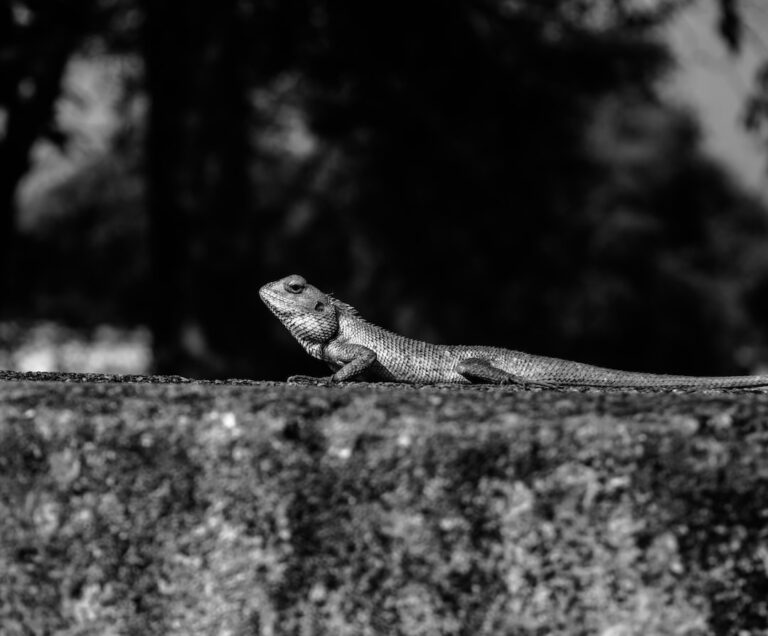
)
(481, 370)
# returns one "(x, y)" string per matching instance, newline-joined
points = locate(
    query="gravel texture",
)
(136, 505)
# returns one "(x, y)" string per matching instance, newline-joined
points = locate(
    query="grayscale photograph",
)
(386, 318)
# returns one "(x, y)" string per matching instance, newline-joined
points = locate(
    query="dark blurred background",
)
(523, 173)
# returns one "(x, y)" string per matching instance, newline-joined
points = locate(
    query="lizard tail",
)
(566, 373)
(625, 379)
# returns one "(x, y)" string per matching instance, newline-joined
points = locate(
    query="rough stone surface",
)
(165, 506)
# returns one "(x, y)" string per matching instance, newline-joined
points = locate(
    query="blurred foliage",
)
(50, 347)
(194, 509)
(473, 171)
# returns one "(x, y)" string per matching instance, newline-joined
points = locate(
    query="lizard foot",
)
(481, 370)
(310, 380)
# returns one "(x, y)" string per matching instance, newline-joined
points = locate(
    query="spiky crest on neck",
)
(345, 307)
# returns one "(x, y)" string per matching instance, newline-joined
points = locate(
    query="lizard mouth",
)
(274, 301)
(270, 299)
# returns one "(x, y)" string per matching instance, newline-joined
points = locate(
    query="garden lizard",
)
(355, 349)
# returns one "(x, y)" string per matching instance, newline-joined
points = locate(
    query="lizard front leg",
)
(352, 359)
(481, 370)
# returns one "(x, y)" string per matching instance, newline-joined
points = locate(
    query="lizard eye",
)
(295, 287)
(319, 306)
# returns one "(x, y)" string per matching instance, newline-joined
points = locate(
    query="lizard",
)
(355, 349)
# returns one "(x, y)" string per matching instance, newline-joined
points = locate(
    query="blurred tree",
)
(470, 170)
(199, 72)
(470, 183)
(437, 137)
(670, 231)
(37, 39)
(453, 109)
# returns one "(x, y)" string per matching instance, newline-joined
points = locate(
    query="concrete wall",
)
(271, 509)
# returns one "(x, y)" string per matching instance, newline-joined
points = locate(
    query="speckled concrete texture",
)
(165, 506)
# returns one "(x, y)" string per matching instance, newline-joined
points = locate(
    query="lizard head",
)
(309, 314)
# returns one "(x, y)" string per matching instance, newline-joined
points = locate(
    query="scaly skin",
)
(357, 350)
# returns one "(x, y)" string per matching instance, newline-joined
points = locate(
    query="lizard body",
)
(332, 331)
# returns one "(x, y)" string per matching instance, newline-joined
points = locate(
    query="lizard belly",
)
(437, 364)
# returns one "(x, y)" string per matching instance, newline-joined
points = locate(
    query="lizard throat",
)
(312, 335)
(314, 349)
